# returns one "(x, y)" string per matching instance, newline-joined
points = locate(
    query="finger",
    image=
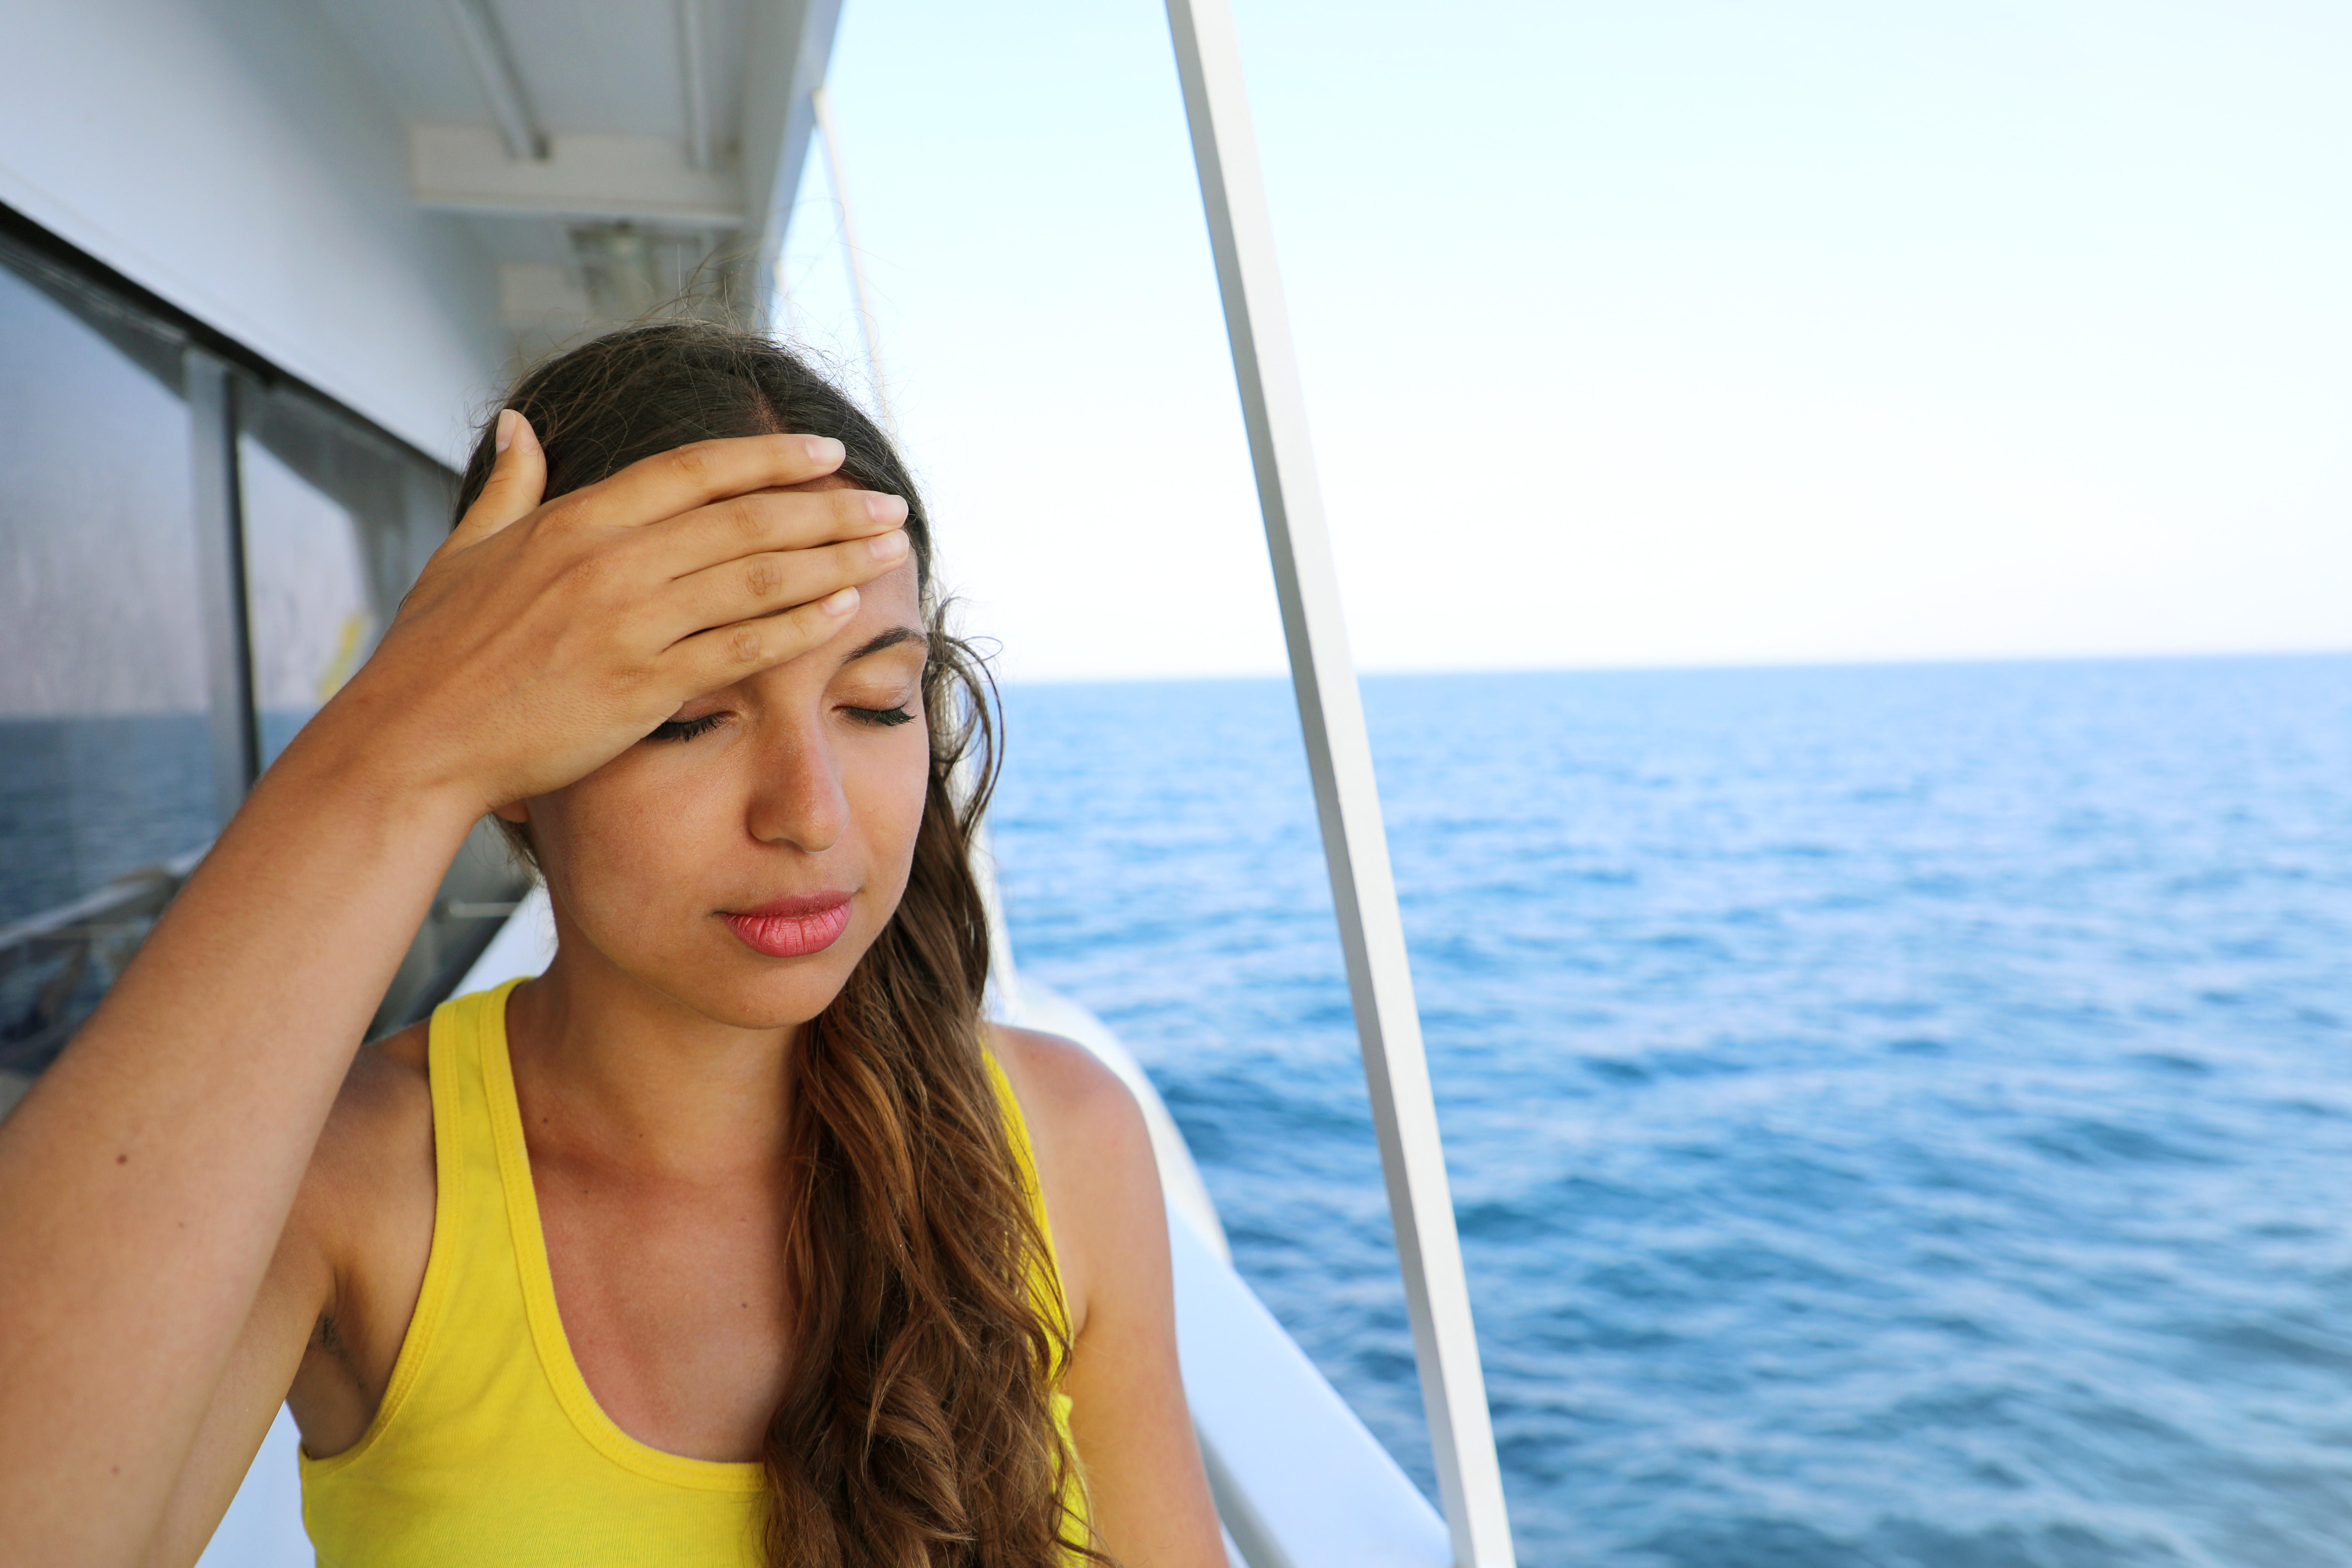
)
(517, 480)
(684, 478)
(725, 655)
(744, 526)
(762, 584)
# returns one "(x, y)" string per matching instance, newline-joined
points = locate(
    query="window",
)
(107, 789)
(339, 520)
(338, 523)
(193, 557)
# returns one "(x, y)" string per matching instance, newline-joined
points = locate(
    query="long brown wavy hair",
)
(918, 1430)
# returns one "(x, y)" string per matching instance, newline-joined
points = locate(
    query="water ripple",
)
(1897, 1116)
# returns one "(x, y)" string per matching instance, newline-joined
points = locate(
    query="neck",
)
(612, 1069)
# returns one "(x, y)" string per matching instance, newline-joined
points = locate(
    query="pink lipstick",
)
(795, 927)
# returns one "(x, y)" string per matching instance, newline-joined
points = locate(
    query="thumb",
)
(517, 480)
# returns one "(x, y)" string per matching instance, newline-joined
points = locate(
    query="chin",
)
(763, 1007)
(744, 990)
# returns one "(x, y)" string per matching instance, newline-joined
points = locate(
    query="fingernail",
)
(839, 604)
(507, 420)
(825, 449)
(889, 508)
(887, 546)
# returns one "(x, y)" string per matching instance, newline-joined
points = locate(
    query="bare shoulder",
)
(374, 1157)
(1094, 1159)
(385, 1111)
(1065, 1090)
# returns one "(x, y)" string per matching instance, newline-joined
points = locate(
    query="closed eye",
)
(882, 718)
(685, 729)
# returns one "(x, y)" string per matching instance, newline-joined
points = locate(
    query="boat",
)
(260, 261)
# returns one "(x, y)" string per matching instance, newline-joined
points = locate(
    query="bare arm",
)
(246, 1400)
(146, 1181)
(1149, 1498)
(146, 1177)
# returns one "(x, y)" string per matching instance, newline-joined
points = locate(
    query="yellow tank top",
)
(489, 1446)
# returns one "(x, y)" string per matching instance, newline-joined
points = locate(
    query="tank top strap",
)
(1046, 1277)
(510, 1193)
(467, 1220)
(488, 1446)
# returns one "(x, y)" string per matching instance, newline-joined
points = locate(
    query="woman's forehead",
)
(892, 599)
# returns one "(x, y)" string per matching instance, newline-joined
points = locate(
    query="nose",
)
(795, 795)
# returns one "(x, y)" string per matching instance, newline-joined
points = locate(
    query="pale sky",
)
(1669, 333)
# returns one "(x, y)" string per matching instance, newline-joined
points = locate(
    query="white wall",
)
(233, 157)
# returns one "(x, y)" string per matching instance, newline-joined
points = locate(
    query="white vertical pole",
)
(1340, 758)
(869, 330)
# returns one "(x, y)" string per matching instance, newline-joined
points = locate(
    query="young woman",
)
(737, 1237)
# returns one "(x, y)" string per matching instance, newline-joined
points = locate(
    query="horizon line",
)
(1696, 667)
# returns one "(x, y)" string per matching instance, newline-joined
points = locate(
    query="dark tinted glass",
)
(119, 615)
(338, 523)
(106, 782)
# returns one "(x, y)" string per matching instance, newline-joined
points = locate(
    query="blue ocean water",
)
(1898, 1116)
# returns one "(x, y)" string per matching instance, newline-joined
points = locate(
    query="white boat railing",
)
(1299, 1481)
(1339, 760)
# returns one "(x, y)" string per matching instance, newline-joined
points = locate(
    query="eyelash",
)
(684, 729)
(687, 729)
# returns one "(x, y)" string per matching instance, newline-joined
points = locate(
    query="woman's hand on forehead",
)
(545, 638)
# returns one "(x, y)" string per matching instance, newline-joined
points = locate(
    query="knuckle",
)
(745, 645)
(565, 512)
(764, 575)
(697, 464)
(749, 516)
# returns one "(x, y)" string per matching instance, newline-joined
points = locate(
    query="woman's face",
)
(743, 858)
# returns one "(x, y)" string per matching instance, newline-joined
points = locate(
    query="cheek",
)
(887, 793)
(612, 840)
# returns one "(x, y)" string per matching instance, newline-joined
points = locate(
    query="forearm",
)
(146, 1179)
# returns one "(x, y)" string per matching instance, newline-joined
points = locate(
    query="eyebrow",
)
(890, 638)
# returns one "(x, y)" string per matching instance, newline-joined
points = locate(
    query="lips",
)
(795, 927)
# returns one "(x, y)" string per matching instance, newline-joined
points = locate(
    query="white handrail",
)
(1340, 758)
